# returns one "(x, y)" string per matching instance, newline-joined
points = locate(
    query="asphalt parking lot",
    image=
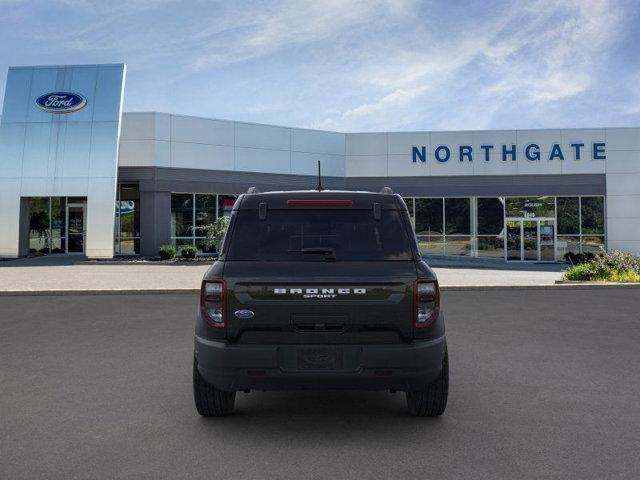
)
(544, 384)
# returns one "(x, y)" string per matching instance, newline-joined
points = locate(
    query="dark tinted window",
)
(429, 215)
(568, 216)
(593, 215)
(490, 216)
(351, 234)
(458, 216)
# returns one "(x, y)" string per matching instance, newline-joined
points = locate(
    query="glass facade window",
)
(429, 216)
(430, 244)
(491, 246)
(225, 205)
(457, 214)
(490, 216)
(593, 244)
(457, 245)
(475, 226)
(190, 211)
(592, 215)
(182, 213)
(530, 207)
(127, 228)
(56, 225)
(39, 225)
(568, 216)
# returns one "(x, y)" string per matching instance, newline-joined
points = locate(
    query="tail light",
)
(212, 302)
(426, 302)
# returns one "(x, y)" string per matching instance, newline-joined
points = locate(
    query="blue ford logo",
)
(244, 313)
(61, 102)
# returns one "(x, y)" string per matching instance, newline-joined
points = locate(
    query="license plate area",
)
(320, 358)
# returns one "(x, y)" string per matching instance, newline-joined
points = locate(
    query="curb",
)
(559, 285)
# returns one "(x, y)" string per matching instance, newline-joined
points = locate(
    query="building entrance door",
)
(76, 220)
(530, 240)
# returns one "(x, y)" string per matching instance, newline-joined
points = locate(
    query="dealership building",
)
(79, 176)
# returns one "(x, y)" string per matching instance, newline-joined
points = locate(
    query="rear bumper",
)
(407, 367)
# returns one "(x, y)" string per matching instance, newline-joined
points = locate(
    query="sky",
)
(349, 65)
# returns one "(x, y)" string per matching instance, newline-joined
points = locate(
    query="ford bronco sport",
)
(319, 290)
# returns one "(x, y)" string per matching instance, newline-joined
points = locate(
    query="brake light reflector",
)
(319, 203)
(426, 302)
(212, 302)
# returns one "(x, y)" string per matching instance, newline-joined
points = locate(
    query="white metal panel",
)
(623, 139)
(315, 141)
(201, 130)
(623, 229)
(263, 160)
(303, 163)
(138, 153)
(163, 126)
(623, 183)
(262, 136)
(198, 155)
(400, 143)
(623, 206)
(401, 165)
(366, 144)
(544, 138)
(138, 126)
(366, 166)
(623, 161)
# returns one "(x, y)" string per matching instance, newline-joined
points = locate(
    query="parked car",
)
(320, 290)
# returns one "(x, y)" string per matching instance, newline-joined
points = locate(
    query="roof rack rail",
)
(253, 190)
(386, 190)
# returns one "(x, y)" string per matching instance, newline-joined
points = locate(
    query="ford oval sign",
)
(244, 313)
(61, 102)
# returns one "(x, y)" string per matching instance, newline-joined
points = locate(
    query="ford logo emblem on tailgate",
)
(244, 313)
(61, 102)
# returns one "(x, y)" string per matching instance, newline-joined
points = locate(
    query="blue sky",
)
(374, 65)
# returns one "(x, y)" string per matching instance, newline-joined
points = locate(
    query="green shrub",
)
(214, 233)
(607, 267)
(189, 251)
(167, 252)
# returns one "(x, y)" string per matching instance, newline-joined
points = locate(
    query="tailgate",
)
(319, 302)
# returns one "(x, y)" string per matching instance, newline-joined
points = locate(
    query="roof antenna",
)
(319, 187)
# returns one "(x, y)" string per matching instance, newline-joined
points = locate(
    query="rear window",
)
(317, 235)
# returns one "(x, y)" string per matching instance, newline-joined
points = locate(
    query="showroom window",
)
(490, 240)
(191, 211)
(443, 225)
(47, 225)
(581, 223)
(429, 225)
(127, 220)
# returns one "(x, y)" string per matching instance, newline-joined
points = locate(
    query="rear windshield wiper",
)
(329, 253)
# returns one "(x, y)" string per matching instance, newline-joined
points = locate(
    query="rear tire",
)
(432, 401)
(210, 402)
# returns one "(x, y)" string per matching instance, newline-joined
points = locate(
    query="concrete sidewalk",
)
(68, 274)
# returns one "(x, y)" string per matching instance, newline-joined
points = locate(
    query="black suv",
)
(319, 290)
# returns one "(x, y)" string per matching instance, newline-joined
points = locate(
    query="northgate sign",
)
(531, 152)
